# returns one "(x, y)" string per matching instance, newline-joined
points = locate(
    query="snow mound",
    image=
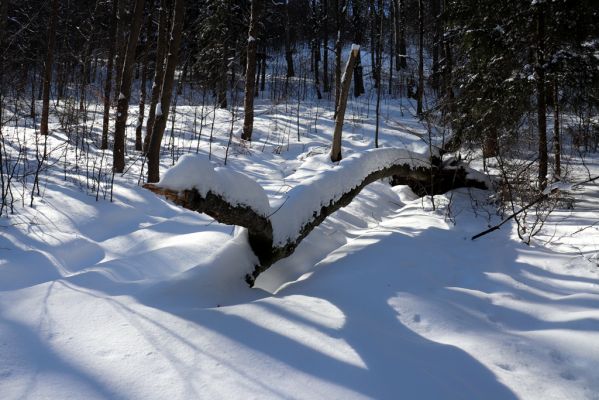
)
(195, 171)
(306, 199)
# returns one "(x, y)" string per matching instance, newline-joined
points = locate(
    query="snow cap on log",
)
(196, 172)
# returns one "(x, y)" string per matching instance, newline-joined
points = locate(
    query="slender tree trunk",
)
(288, 49)
(118, 150)
(379, 66)
(396, 29)
(144, 79)
(557, 148)
(120, 46)
(326, 87)
(161, 47)
(541, 97)
(402, 34)
(345, 86)
(435, 11)
(48, 69)
(420, 92)
(338, 44)
(250, 82)
(357, 27)
(165, 93)
(109, 68)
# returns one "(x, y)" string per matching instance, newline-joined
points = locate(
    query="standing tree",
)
(168, 80)
(109, 68)
(250, 72)
(48, 68)
(118, 151)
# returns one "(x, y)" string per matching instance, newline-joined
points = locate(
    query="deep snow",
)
(389, 298)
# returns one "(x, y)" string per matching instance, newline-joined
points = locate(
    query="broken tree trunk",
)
(275, 235)
(340, 109)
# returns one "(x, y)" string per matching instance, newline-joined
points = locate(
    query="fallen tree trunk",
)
(268, 234)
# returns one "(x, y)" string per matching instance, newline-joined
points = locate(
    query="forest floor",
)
(388, 298)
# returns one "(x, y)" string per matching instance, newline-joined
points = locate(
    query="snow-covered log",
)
(275, 232)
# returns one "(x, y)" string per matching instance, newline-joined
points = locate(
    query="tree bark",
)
(161, 46)
(288, 49)
(166, 93)
(541, 97)
(345, 86)
(48, 69)
(144, 79)
(326, 87)
(357, 27)
(420, 92)
(109, 68)
(557, 148)
(250, 73)
(118, 150)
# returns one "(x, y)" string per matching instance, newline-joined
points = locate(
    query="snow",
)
(251, 39)
(355, 47)
(122, 96)
(388, 298)
(195, 171)
(158, 109)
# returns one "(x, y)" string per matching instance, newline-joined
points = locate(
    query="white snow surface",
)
(388, 298)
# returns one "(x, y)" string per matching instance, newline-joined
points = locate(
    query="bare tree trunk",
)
(165, 93)
(288, 49)
(120, 45)
(48, 69)
(436, 10)
(378, 67)
(326, 87)
(144, 79)
(401, 8)
(357, 28)
(541, 97)
(557, 148)
(396, 29)
(118, 150)
(345, 86)
(250, 73)
(339, 14)
(161, 47)
(109, 67)
(420, 93)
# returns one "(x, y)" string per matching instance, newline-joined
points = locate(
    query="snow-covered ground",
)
(389, 298)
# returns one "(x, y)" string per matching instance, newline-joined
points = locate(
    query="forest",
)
(299, 199)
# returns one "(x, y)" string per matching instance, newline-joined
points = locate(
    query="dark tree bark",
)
(161, 47)
(420, 92)
(435, 11)
(339, 16)
(541, 97)
(316, 50)
(288, 49)
(345, 86)
(144, 79)
(326, 87)
(118, 150)
(401, 8)
(250, 73)
(109, 68)
(48, 68)
(557, 148)
(166, 93)
(357, 28)
(121, 46)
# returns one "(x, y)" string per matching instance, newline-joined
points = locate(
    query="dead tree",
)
(340, 115)
(404, 167)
